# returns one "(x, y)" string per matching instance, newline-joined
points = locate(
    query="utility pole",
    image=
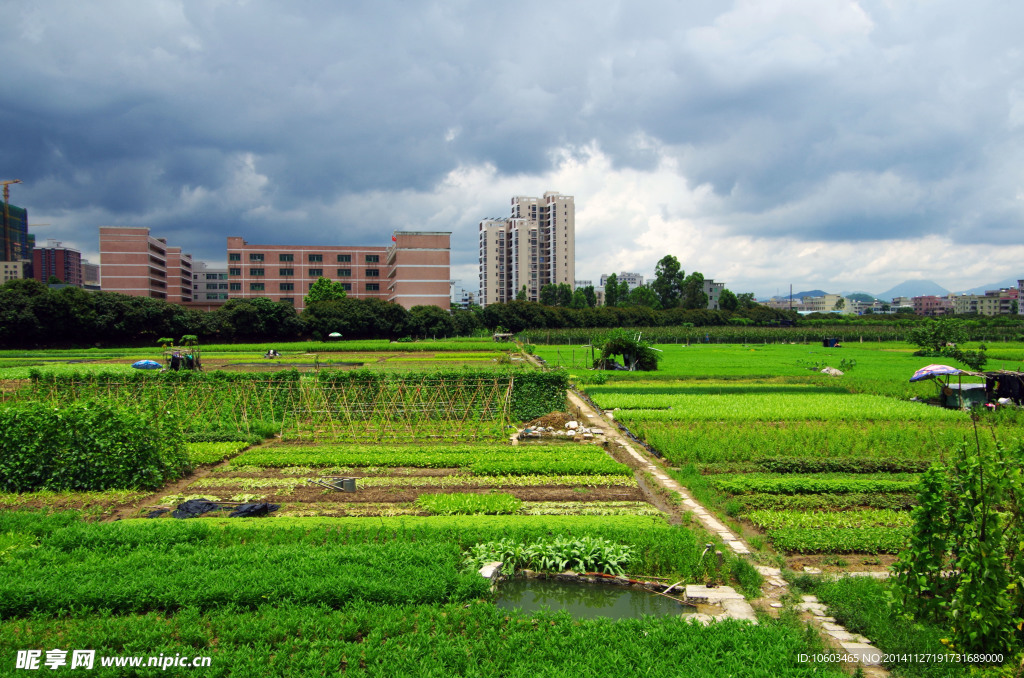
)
(8, 245)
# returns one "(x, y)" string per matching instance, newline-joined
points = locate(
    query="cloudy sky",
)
(824, 143)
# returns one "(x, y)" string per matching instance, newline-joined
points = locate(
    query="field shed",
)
(1000, 385)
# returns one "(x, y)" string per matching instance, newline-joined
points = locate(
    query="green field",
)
(384, 583)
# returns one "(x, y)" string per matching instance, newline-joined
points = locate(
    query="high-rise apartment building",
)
(135, 263)
(414, 271)
(534, 247)
(17, 242)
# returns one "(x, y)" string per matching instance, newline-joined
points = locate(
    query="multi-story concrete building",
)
(823, 304)
(11, 270)
(461, 297)
(930, 304)
(90, 276)
(135, 263)
(634, 280)
(209, 285)
(714, 292)
(993, 302)
(61, 262)
(414, 271)
(1020, 295)
(535, 246)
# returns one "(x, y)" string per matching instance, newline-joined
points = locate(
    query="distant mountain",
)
(863, 297)
(981, 289)
(808, 293)
(914, 288)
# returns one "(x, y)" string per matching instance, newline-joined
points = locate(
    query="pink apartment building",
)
(414, 271)
(135, 263)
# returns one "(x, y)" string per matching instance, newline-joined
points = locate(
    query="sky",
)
(826, 144)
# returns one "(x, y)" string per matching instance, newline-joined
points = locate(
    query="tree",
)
(611, 290)
(668, 281)
(643, 297)
(746, 300)
(325, 289)
(727, 301)
(941, 336)
(693, 295)
(840, 304)
(591, 296)
(564, 294)
(636, 354)
(579, 300)
(521, 294)
(549, 295)
(430, 321)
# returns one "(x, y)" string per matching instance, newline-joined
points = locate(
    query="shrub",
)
(87, 446)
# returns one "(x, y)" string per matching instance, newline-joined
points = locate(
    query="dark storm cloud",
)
(808, 119)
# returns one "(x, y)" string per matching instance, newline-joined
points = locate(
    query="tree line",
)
(33, 315)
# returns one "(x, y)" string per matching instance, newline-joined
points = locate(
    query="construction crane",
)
(8, 240)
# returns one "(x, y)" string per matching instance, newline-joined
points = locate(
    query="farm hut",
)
(957, 395)
(1000, 385)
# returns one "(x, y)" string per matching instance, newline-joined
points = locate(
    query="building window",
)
(286, 257)
(255, 287)
(373, 273)
(372, 258)
(236, 287)
(344, 258)
(222, 286)
(344, 272)
(234, 256)
(313, 258)
(372, 287)
(347, 286)
(255, 257)
(287, 287)
(235, 271)
(316, 272)
(286, 271)
(288, 300)
(256, 272)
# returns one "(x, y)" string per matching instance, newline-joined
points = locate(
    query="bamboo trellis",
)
(400, 408)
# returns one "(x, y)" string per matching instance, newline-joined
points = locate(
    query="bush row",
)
(87, 445)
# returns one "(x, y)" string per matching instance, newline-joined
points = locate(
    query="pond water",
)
(586, 601)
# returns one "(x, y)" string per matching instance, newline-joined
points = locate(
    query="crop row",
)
(771, 407)
(533, 508)
(481, 461)
(684, 442)
(434, 640)
(897, 501)
(211, 453)
(454, 480)
(245, 576)
(227, 547)
(771, 520)
(840, 540)
(463, 503)
(810, 484)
